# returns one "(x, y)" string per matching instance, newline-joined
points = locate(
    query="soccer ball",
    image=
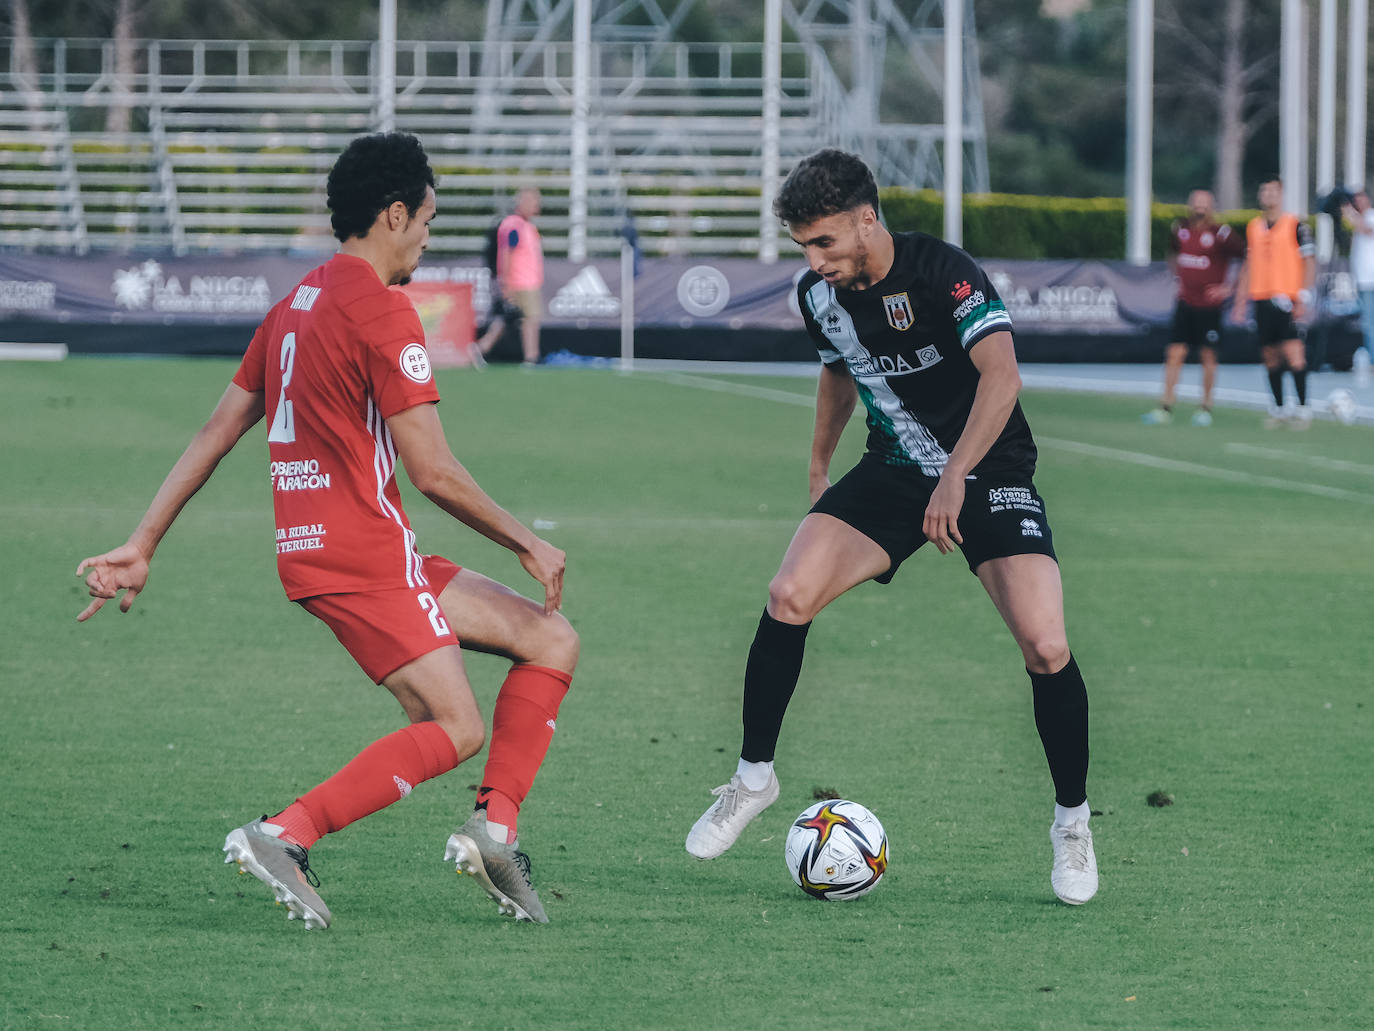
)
(836, 849)
(1342, 405)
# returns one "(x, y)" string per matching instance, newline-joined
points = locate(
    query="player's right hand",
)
(123, 569)
(546, 563)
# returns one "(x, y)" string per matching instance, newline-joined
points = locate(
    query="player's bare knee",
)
(1045, 655)
(559, 643)
(788, 602)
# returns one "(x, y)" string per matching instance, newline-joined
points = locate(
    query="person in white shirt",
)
(1361, 218)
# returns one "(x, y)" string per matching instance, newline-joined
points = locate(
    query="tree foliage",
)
(1054, 86)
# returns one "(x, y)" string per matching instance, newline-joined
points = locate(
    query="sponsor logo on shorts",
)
(1019, 498)
(415, 363)
(898, 308)
(402, 786)
(1030, 528)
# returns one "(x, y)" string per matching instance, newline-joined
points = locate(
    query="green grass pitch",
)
(1220, 596)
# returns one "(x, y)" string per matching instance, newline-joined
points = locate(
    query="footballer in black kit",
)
(905, 341)
(912, 327)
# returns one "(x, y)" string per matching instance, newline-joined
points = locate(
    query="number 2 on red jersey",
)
(284, 422)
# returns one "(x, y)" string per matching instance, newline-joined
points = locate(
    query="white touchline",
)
(1094, 450)
(1211, 472)
(743, 389)
(711, 524)
(1334, 464)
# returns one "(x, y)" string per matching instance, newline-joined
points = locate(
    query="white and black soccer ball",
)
(836, 849)
(1342, 405)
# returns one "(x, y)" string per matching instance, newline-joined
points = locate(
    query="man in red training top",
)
(1200, 253)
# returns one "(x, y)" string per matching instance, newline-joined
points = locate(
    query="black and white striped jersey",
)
(906, 342)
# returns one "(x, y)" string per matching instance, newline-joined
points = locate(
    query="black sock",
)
(1300, 382)
(1276, 385)
(770, 677)
(1061, 716)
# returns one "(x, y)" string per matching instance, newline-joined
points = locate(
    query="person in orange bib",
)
(1280, 268)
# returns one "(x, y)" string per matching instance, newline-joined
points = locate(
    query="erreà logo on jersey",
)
(898, 308)
(586, 295)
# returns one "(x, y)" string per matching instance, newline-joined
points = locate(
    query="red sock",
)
(382, 773)
(521, 728)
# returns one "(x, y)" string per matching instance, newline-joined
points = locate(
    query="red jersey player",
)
(340, 371)
(1200, 253)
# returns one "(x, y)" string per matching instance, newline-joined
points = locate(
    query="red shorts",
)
(384, 630)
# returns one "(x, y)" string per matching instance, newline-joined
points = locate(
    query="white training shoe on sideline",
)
(1074, 877)
(734, 807)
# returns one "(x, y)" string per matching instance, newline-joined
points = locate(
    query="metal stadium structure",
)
(598, 103)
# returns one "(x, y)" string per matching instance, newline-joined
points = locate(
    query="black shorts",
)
(1002, 515)
(1196, 327)
(1274, 322)
(503, 308)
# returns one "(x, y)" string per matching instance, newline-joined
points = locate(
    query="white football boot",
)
(1074, 877)
(734, 807)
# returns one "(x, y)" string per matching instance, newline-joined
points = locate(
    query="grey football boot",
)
(502, 870)
(283, 867)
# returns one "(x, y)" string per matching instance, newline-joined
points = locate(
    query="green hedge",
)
(1004, 225)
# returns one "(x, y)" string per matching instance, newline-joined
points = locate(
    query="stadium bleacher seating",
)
(230, 142)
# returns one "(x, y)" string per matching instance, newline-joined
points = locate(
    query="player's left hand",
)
(941, 524)
(546, 564)
(1215, 293)
(123, 569)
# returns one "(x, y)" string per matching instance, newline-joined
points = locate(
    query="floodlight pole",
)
(1356, 84)
(1291, 158)
(954, 122)
(386, 71)
(627, 304)
(1326, 122)
(577, 198)
(772, 103)
(1140, 75)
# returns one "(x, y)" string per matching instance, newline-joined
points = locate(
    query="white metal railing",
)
(241, 126)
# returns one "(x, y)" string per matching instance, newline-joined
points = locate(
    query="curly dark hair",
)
(825, 183)
(373, 173)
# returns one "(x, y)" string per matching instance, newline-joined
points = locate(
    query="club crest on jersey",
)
(898, 308)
